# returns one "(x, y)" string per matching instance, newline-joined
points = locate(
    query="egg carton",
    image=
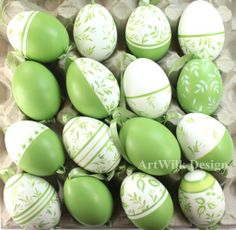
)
(66, 12)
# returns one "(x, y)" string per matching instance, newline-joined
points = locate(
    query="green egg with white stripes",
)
(32, 202)
(147, 88)
(89, 144)
(146, 202)
(92, 88)
(38, 36)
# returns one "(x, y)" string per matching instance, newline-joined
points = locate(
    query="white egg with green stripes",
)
(32, 202)
(89, 144)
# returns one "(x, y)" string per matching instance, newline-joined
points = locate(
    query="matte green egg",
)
(199, 87)
(150, 146)
(36, 91)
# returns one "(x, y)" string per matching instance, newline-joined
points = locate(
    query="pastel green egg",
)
(34, 147)
(146, 202)
(92, 88)
(150, 146)
(199, 87)
(148, 33)
(36, 91)
(201, 199)
(38, 36)
(88, 200)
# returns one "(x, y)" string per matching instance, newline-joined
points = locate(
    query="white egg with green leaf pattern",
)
(201, 199)
(89, 144)
(32, 202)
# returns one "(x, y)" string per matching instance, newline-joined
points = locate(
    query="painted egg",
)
(36, 91)
(201, 30)
(34, 147)
(148, 32)
(32, 202)
(150, 146)
(89, 144)
(199, 87)
(92, 88)
(146, 202)
(205, 141)
(88, 200)
(38, 36)
(147, 88)
(95, 32)
(201, 199)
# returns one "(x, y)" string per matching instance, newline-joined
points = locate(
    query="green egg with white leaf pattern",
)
(201, 199)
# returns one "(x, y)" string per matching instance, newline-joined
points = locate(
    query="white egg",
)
(32, 202)
(201, 199)
(95, 32)
(89, 144)
(147, 88)
(201, 30)
(146, 202)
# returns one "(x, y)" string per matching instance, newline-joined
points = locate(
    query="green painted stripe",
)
(194, 192)
(43, 200)
(197, 186)
(94, 146)
(149, 45)
(97, 153)
(32, 205)
(163, 194)
(196, 181)
(10, 185)
(44, 206)
(23, 32)
(148, 94)
(86, 144)
(199, 35)
(75, 119)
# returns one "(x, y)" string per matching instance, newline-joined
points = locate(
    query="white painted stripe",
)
(26, 32)
(82, 157)
(152, 209)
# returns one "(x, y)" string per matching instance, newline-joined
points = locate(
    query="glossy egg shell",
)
(199, 87)
(146, 202)
(148, 32)
(32, 202)
(92, 88)
(95, 32)
(150, 146)
(89, 144)
(201, 199)
(38, 36)
(205, 141)
(36, 91)
(147, 88)
(88, 200)
(201, 30)
(34, 147)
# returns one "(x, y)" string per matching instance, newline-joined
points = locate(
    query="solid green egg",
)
(36, 91)
(150, 146)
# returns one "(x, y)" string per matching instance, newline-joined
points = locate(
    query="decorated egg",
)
(201, 199)
(205, 141)
(36, 91)
(150, 146)
(38, 36)
(95, 32)
(92, 88)
(32, 202)
(89, 144)
(88, 199)
(148, 32)
(146, 202)
(34, 147)
(201, 30)
(199, 87)
(147, 88)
